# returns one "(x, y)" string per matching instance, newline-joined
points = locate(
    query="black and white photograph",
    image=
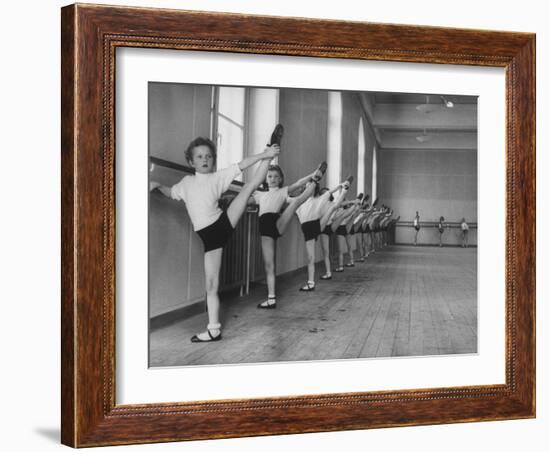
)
(255, 226)
(292, 224)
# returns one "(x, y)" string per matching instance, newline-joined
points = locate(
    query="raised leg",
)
(324, 219)
(240, 202)
(296, 202)
(340, 218)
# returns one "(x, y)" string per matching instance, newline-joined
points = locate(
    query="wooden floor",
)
(404, 301)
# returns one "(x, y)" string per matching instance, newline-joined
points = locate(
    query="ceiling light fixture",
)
(427, 107)
(424, 137)
(447, 102)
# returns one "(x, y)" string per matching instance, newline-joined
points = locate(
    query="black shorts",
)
(441, 231)
(342, 230)
(268, 225)
(328, 230)
(417, 228)
(311, 229)
(217, 234)
(367, 229)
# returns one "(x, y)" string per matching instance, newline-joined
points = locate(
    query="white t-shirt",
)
(271, 201)
(201, 193)
(311, 209)
(464, 226)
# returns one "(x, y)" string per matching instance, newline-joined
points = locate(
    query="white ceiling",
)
(398, 122)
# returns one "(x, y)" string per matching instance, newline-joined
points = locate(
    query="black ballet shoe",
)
(269, 305)
(322, 168)
(277, 135)
(326, 277)
(196, 338)
(307, 288)
(348, 181)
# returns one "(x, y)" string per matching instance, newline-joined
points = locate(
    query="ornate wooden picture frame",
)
(90, 37)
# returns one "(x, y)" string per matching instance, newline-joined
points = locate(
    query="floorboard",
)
(403, 301)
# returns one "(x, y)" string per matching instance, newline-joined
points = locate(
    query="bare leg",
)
(365, 244)
(349, 242)
(341, 251)
(212, 264)
(359, 245)
(268, 251)
(310, 247)
(339, 219)
(296, 202)
(325, 246)
(324, 219)
(240, 202)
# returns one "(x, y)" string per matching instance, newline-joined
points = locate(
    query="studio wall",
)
(304, 114)
(442, 183)
(178, 113)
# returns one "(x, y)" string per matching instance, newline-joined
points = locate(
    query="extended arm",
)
(269, 153)
(300, 182)
(166, 191)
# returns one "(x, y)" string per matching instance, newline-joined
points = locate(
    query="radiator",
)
(242, 256)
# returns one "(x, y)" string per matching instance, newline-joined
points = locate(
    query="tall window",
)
(263, 117)
(229, 115)
(334, 138)
(374, 172)
(361, 158)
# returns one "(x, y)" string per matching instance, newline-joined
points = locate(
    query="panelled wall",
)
(177, 114)
(304, 114)
(442, 183)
